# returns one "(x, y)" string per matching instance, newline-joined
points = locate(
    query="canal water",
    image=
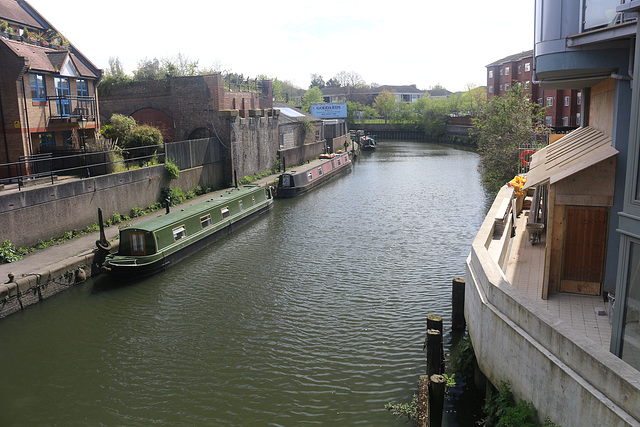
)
(312, 314)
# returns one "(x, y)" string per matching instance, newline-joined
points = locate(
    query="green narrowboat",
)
(158, 243)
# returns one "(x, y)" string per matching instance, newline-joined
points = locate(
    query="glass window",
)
(319, 171)
(179, 232)
(46, 139)
(527, 66)
(579, 100)
(310, 176)
(136, 240)
(490, 89)
(500, 88)
(82, 89)
(549, 101)
(61, 85)
(565, 121)
(599, 13)
(519, 69)
(631, 315)
(548, 120)
(490, 74)
(501, 72)
(506, 87)
(578, 120)
(527, 84)
(225, 212)
(506, 71)
(240, 204)
(38, 89)
(205, 221)
(567, 101)
(539, 101)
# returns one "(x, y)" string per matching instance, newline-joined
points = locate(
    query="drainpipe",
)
(24, 100)
(4, 135)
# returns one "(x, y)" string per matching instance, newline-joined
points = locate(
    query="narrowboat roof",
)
(303, 169)
(178, 213)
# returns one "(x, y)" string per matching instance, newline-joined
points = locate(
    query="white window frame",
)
(549, 101)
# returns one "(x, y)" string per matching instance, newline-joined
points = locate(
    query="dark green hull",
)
(165, 251)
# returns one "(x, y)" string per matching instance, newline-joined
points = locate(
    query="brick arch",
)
(201, 132)
(156, 118)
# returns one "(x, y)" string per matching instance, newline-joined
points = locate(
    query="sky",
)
(424, 42)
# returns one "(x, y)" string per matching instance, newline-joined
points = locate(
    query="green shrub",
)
(409, 410)
(136, 212)
(9, 252)
(172, 170)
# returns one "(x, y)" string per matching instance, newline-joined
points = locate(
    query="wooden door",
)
(584, 249)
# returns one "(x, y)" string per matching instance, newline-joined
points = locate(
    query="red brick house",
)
(47, 87)
(563, 106)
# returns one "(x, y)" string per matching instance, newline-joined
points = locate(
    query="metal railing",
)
(72, 107)
(77, 162)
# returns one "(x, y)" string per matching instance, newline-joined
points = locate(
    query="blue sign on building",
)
(334, 110)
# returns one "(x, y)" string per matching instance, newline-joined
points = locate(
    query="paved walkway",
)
(585, 314)
(45, 259)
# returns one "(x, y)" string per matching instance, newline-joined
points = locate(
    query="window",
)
(539, 101)
(490, 89)
(253, 199)
(179, 233)
(506, 87)
(205, 221)
(500, 88)
(82, 89)
(549, 101)
(67, 137)
(490, 74)
(338, 161)
(310, 176)
(506, 71)
(579, 99)
(565, 121)
(501, 72)
(548, 121)
(519, 69)
(61, 85)
(578, 120)
(527, 84)
(567, 101)
(527, 66)
(240, 204)
(38, 89)
(319, 171)
(225, 212)
(136, 241)
(46, 139)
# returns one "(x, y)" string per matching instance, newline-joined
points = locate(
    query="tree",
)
(508, 122)
(312, 96)
(148, 69)
(432, 115)
(365, 111)
(317, 80)
(119, 129)
(351, 81)
(146, 139)
(385, 103)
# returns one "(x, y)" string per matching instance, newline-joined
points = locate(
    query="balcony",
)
(71, 108)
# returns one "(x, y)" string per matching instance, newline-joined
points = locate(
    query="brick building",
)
(47, 87)
(562, 106)
(240, 118)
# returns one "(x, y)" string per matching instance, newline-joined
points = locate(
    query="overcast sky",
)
(424, 42)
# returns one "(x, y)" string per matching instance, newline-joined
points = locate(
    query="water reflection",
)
(313, 314)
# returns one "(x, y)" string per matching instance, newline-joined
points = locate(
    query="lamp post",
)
(82, 124)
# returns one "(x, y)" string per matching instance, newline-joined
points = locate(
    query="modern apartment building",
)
(563, 106)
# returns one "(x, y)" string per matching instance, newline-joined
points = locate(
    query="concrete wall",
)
(49, 211)
(566, 376)
(301, 154)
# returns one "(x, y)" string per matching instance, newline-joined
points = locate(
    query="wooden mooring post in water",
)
(431, 388)
(457, 304)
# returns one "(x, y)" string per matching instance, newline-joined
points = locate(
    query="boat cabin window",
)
(205, 221)
(310, 175)
(225, 212)
(240, 204)
(179, 233)
(287, 181)
(253, 199)
(320, 171)
(136, 240)
(338, 161)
